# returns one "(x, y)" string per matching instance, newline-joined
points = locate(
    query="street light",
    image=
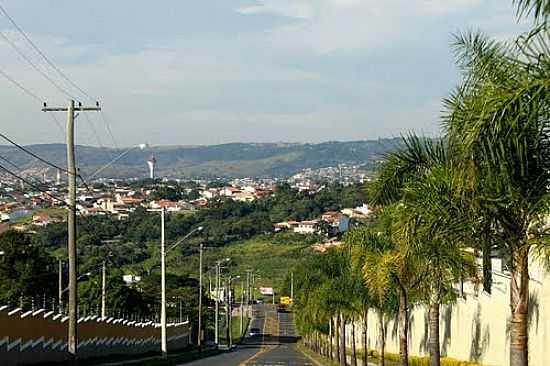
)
(163, 253)
(216, 323)
(228, 311)
(83, 275)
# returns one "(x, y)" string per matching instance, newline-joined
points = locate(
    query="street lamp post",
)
(229, 312)
(242, 308)
(163, 253)
(216, 315)
(103, 290)
(199, 341)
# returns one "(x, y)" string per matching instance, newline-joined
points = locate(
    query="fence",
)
(476, 328)
(41, 336)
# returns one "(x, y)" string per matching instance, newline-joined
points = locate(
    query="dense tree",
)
(26, 270)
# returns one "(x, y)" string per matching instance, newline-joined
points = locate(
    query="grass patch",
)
(236, 334)
(272, 260)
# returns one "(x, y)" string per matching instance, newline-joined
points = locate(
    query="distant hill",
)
(226, 160)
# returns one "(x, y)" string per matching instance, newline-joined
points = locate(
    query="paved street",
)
(276, 345)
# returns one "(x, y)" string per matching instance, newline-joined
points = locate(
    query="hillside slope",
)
(227, 160)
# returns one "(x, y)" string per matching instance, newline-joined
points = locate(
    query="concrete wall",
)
(476, 329)
(41, 336)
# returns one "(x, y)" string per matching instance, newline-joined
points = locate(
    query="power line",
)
(10, 163)
(32, 154)
(58, 124)
(108, 126)
(22, 148)
(19, 169)
(33, 65)
(35, 47)
(94, 131)
(33, 185)
(27, 91)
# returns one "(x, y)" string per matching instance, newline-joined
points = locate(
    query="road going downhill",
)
(275, 346)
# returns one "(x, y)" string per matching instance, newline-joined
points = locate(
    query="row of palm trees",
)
(482, 189)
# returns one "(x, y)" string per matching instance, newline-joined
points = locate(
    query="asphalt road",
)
(276, 345)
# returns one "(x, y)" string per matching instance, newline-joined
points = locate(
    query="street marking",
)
(262, 350)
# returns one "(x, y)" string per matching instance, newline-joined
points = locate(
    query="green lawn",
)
(235, 329)
(273, 261)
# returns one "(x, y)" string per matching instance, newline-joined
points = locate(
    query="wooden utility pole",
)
(71, 221)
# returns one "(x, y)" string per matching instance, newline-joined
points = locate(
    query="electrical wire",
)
(33, 154)
(17, 84)
(48, 61)
(33, 65)
(108, 127)
(94, 131)
(18, 168)
(44, 160)
(33, 185)
(57, 123)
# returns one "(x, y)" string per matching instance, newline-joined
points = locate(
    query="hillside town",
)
(28, 203)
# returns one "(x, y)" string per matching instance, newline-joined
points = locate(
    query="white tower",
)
(58, 177)
(152, 162)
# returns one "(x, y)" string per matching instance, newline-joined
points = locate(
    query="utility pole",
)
(60, 286)
(216, 326)
(227, 310)
(103, 290)
(292, 286)
(199, 341)
(164, 346)
(242, 307)
(248, 282)
(72, 338)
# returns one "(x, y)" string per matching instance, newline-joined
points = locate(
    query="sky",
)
(173, 72)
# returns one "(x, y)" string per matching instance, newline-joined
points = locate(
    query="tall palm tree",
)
(498, 126)
(416, 157)
(358, 243)
(377, 267)
(431, 220)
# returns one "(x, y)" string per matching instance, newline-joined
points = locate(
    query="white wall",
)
(475, 329)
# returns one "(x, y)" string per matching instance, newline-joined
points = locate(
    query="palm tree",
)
(431, 220)
(377, 265)
(416, 157)
(358, 245)
(498, 124)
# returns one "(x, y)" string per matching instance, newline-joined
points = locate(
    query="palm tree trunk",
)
(331, 355)
(519, 303)
(365, 334)
(381, 339)
(343, 340)
(487, 266)
(337, 337)
(353, 348)
(433, 345)
(403, 327)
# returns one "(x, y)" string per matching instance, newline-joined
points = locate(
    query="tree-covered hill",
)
(227, 160)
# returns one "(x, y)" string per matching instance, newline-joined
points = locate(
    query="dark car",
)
(254, 332)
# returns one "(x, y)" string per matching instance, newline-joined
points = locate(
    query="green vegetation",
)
(268, 257)
(483, 187)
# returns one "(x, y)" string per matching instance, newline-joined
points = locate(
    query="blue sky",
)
(216, 71)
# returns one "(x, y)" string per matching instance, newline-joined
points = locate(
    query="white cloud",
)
(324, 26)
